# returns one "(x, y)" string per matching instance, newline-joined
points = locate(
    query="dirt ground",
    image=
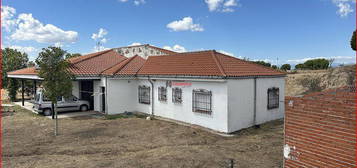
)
(93, 142)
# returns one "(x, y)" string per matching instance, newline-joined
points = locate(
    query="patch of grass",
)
(125, 115)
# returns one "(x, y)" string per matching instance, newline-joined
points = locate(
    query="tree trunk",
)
(56, 121)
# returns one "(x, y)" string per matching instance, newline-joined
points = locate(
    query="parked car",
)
(71, 103)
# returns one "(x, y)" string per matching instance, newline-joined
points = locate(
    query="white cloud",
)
(28, 28)
(139, 2)
(221, 5)
(58, 44)
(100, 39)
(135, 44)
(136, 2)
(338, 59)
(100, 35)
(28, 49)
(176, 48)
(225, 52)
(344, 7)
(8, 22)
(184, 25)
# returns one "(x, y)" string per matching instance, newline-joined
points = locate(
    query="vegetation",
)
(314, 64)
(285, 67)
(274, 67)
(69, 55)
(12, 60)
(57, 80)
(263, 63)
(353, 41)
(311, 83)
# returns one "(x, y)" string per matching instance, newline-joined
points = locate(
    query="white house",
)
(204, 88)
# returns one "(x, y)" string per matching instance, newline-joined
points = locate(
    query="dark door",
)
(103, 99)
(86, 93)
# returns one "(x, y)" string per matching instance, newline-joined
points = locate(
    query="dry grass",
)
(331, 78)
(28, 141)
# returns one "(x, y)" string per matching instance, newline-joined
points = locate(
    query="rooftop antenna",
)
(98, 45)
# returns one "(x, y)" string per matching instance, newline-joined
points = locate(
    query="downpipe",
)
(152, 96)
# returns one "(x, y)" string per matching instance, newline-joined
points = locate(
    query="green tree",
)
(285, 67)
(57, 80)
(300, 66)
(12, 60)
(274, 67)
(69, 55)
(263, 63)
(315, 64)
(353, 41)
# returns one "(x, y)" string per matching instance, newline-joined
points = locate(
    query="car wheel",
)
(84, 108)
(47, 112)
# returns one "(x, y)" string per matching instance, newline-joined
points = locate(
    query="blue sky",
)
(290, 30)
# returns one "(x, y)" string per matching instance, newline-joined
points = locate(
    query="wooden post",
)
(22, 92)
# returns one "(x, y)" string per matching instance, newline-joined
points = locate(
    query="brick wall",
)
(320, 129)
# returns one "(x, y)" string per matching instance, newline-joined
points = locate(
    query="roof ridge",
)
(175, 54)
(113, 65)
(213, 52)
(252, 63)
(125, 64)
(89, 57)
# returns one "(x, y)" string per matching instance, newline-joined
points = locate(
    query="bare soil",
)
(330, 78)
(93, 142)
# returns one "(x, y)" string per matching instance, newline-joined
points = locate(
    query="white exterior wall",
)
(217, 120)
(263, 114)
(240, 104)
(123, 96)
(97, 84)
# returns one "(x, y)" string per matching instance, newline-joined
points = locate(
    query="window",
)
(162, 94)
(202, 101)
(273, 98)
(177, 95)
(144, 94)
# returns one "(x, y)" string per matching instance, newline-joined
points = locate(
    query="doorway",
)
(103, 98)
(86, 92)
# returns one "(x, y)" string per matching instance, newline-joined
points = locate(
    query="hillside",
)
(304, 81)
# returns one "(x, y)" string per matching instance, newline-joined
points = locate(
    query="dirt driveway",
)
(89, 142)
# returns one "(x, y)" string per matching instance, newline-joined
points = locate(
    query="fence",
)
(320, 129)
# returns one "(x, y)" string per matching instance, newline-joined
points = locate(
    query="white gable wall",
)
(263, 114)
(241, 102)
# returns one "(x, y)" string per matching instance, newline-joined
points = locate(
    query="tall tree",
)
(57, 80)
(353, 41)
(285, 67)
(263, 63)
(12, 60)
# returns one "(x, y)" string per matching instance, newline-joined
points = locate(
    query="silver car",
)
(72, 103)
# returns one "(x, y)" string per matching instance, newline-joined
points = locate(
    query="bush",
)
(311, 83)
(316, 64)
(13, 86)
(300, 66)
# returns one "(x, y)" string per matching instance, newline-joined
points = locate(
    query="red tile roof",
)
(204, 63)
(128, 67)
(95, 64)
(24, 71)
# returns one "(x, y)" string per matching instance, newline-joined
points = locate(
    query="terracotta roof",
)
(24, 71)
(128, 67)
(204, 63)
(87, 65)
(95, 64)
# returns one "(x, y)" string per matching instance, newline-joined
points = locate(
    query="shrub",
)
(311, 83)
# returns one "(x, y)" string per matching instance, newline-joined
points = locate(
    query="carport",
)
(24, 75)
